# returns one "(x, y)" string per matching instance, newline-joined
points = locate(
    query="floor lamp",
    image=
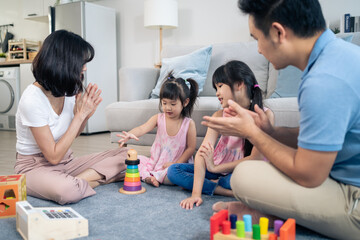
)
(160, 14)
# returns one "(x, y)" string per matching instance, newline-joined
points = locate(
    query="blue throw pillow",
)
(347, 38)
(194, 65)
(288, 81)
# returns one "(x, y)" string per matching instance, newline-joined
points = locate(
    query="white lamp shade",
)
(160, 13)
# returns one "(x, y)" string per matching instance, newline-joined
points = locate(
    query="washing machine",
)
(9, 96)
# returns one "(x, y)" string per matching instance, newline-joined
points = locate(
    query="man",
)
(313, 174)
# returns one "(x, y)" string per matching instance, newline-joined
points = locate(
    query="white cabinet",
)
(33, 8)
(37, 9)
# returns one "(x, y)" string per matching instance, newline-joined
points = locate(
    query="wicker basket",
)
(32, 55)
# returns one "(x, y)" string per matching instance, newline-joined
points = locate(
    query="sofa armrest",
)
(136, 83)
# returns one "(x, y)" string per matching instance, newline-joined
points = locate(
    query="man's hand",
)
(262, 120)
(239, 121)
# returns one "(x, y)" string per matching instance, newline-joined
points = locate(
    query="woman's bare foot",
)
(239, 209)
(152, 181)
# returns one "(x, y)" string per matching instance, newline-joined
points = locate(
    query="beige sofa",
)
(135, 85)
(135, 107)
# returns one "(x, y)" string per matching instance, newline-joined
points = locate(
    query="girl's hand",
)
(87, 102)
(125, 136)
(168, 164)
(206, 151)
(188, 203)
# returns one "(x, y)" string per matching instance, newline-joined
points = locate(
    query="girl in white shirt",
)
(52, 112)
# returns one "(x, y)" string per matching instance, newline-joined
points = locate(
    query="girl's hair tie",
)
(256, 85)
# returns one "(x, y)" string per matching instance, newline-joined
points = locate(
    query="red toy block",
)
(216, 222)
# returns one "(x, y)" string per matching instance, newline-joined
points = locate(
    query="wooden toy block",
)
(220, 229)
(288, 230)
(49, 223)
(132, 183)
(12, 189)
(216, 220)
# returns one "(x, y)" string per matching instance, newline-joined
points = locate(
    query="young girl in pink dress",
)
(175, 140)
(212, 170)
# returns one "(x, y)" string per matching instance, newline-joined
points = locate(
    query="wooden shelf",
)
(14, 62)
(24, 45)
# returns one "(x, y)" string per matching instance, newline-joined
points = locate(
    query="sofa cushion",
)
(289, 78)
(288, 81)
(194, 65)
(286, 111)
(130, 114)
(223, 53)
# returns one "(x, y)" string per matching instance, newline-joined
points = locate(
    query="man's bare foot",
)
(216, 207)
(239, 209)
(152, 181)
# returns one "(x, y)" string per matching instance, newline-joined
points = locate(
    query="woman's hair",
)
(178, 88)
(58, 65)
(238, 72)
(303, 17)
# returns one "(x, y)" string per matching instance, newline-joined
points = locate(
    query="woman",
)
(52, 112)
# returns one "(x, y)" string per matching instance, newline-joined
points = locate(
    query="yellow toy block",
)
(12, 189)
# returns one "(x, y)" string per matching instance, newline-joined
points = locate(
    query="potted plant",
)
(2, 57)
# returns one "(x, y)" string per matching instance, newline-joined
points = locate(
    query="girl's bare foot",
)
(239, 209)
(152, 181)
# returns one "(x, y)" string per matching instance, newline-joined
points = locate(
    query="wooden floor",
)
(83, 145)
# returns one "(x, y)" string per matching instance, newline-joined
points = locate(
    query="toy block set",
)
(49, 222)
(132, 183)
(223, 229)
(12, 189)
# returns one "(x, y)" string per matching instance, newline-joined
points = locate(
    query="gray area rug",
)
(155, 214)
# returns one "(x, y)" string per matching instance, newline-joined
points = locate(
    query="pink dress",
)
(229, 149)
(164, 149)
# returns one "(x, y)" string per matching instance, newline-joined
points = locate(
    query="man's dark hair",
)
(303, 17)
(58, 65)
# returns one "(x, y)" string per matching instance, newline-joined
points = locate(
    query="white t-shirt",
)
(35, 110)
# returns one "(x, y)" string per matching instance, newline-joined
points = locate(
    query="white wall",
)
(334, 9)
(11, 12)
(201, 22)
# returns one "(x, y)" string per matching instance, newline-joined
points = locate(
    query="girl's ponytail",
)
(194, 88)
(257, 97)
